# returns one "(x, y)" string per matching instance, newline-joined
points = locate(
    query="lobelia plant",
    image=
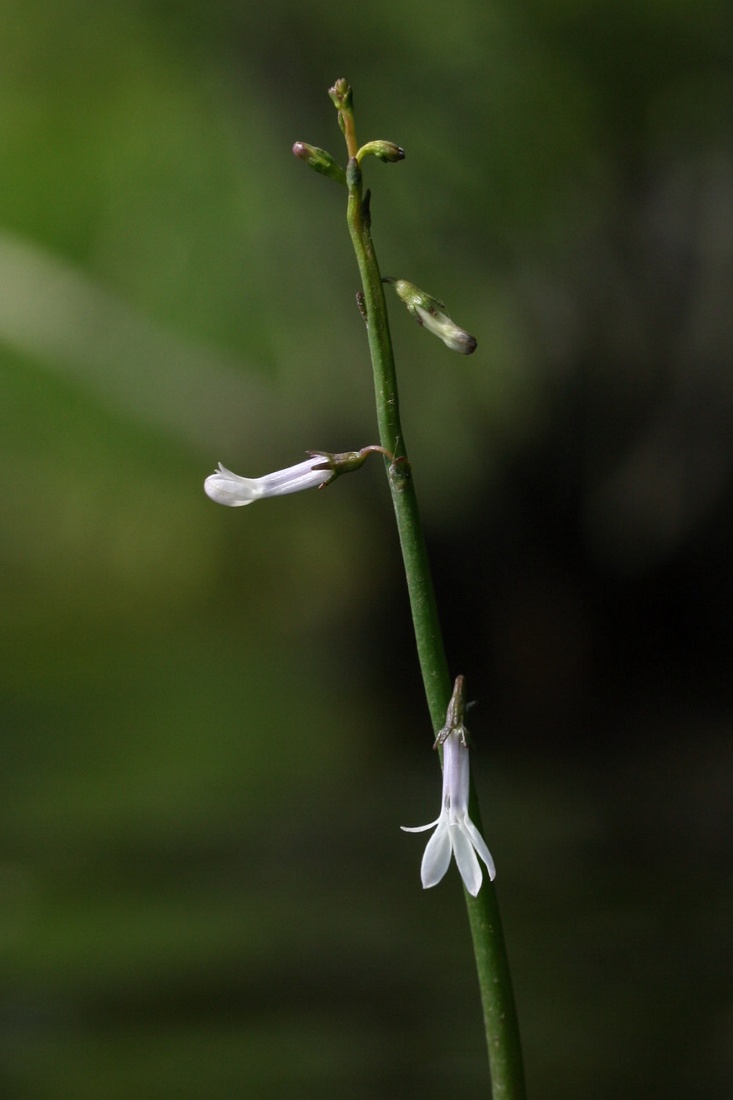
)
(458, 829)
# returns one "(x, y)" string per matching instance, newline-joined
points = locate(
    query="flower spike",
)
(455, 832)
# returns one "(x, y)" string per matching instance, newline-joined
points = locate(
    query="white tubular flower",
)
(455, 832)
(227, 488)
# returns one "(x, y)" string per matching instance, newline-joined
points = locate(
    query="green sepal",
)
(348, 461)
(413, 297)
(455, 714)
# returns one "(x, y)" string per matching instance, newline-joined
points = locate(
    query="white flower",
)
(227, 488)
(455, 832)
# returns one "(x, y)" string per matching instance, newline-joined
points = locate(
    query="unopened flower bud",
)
(385, 151)
(342, 95)
(320, 160)
(430, 312)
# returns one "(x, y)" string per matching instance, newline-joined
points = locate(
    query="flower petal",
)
(419, 828)
(437, 856)
(466, 859)
(480, 845)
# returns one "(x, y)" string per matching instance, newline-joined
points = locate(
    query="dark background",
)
(212, 723)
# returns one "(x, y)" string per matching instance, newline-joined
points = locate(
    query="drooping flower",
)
(227, 488)
(455, 833)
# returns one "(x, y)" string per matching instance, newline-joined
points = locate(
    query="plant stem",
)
(497, 998)
(431, 652)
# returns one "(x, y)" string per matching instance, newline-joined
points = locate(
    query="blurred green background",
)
(212, 723)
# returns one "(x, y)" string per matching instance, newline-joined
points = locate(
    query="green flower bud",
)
(320, 160)
(430, 312)
(342, 95)
(385, 151)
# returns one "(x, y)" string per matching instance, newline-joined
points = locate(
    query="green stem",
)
(497, 998)
(419, 582)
